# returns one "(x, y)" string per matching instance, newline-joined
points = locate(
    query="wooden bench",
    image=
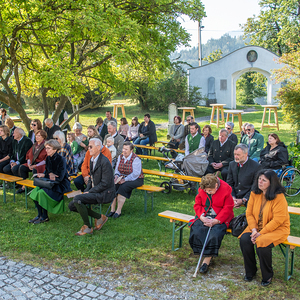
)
(159, 159)
(9, 178)
(156, 148)
(180, 220)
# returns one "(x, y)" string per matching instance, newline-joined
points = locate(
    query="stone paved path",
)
(24, 282)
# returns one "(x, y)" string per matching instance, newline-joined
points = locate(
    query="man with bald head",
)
(100, 189)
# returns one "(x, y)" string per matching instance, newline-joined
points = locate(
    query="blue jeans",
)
(143, 142)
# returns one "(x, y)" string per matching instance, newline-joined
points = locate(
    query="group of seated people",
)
(110, 170)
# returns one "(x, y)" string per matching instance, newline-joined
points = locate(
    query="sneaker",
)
(84, 230)
(100, 222)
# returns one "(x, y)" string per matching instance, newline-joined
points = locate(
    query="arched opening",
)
(251, 72)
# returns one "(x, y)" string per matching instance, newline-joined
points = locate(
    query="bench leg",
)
(287, 274)
(26, 205)
(145, 201)
(4, 192)
(180, 229)
(14, 192)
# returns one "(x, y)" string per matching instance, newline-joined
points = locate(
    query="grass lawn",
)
(137, 246)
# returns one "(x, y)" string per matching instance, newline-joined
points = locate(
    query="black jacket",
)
(6, 147)
(222, 154)
(21, 149)
(208, 141)
(50, 131)
(242, 178)
(103, 178)
(233, 138)
(151, 133)
(275, 158)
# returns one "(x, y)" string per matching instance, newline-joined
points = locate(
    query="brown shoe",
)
(84, 230)
(100, 222)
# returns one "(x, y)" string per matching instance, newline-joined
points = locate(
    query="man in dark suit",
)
(231, 136)
(100, 189)
(21, 145)
(50, 128)
(220, 154)
(241, 175)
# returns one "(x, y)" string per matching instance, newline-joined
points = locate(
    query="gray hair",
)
(110, 138)
(230, 124)
(60, 135)
(21, 131)
(250, 125)
(48, 120)
(55, 145)
(244, 125)
(77, 125)
(112, 123)
(223, 130)
(243, 147)
(96, 141)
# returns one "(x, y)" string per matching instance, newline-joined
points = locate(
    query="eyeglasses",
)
(48, 148)
(56, 139)
(33, 124)
(248, 129)
(188, 120)
(90, 147)
(228, 128)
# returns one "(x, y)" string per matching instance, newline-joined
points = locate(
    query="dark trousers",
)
(24, 171)
(11, 170)
(264, 255)
(42, 212)
(80, 204)
(3, 164)
(224, 171)
(79, 183)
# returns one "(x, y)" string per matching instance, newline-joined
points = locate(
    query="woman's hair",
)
(38, 123)
(127, 143)
(136, 120)
(179, 119)
(124, 121)
(209, 128)
(208, 181)
(5, 130)
(55, 145)
(276, 137)
(60, 135)
(9, 122)
(99, 121)
(42, 133)
(77, 125)
(3, 110)
(72, 135)
(94, 130)
(274, 188)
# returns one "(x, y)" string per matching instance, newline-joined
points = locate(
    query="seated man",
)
(255, 142)
(50, 128)
(118, 139)
(193, 140)
(109, 118)
(189, 120)
(220, 154)
(21, 145)
(231, 136)
(241, 175)
(100, 189)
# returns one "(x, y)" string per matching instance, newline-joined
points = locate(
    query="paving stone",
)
(3, 277)
(46, 296)
(129, 298)
(6, 297)
(83, 291)
(92, 294)
(66, 285)
(86, 298)
(8, 288)
(65, 294)
(56, 282)
(82, 284)
(2, 283)
(21, 298)
(17, 293)
(26, 279)
(55, 292)
(31, 295)
(47, 279)
(11, 263)
(76, 288)
(63, 278)
(70, 298)
(48, 287)
(110, 293)
(102, 297)
(77, 295)
(18, 276)
(91, 287)
(26, 290)
(100, 290)
(58, 298)
(53, 276)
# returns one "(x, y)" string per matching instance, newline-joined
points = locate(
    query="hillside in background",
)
(225, 43)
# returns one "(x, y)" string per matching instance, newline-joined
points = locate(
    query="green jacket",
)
(256, 144)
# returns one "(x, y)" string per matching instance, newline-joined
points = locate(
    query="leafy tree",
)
(276, 26)
(215, 55)
(64, 49)
(289, 93)
(249, 86)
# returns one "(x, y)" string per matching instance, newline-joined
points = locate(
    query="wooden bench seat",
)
(160, 160)
(172, 175)
(290, 244)
(9, 178)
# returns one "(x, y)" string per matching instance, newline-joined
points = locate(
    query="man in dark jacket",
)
(50, 128)
(21, 145)
(100, 189)
(231, 136)
(220, 154)
(241, 175)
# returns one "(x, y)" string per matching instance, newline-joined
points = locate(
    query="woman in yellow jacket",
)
(268, 225)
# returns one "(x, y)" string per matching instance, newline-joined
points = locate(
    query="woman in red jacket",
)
(213, 208)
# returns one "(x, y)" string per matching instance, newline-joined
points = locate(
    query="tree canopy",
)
(64, 49)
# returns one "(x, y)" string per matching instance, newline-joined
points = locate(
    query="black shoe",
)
(111, 214)
(204, 268)
(33, 220)
(248, 278)
(41, 220)
(20, 191)
(116, 215)
(266, 283)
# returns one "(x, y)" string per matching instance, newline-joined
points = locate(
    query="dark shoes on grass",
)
(114, 215)
(38, 220)
(204, 268)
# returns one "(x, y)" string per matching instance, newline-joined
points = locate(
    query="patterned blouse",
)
(66, 152)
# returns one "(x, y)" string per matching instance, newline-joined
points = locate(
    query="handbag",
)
(173, 145)
(44, 183)
(238, 224)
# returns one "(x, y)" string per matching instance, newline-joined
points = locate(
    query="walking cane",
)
(203, 248)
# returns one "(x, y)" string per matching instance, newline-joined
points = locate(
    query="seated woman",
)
(128, 176)
(213, 208)
(11, 125)
(206, 133)
(124, 128)
(50, 199)
(268, 225)
(101, 127)
(35, 157)
(65, 151)
(275, 154)
(92, 132)
(6, 147)
(81, 139)
(35, 126)
(133, 130)
(3, 116)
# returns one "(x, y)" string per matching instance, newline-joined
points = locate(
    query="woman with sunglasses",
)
(50, 199)
(35, 126)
